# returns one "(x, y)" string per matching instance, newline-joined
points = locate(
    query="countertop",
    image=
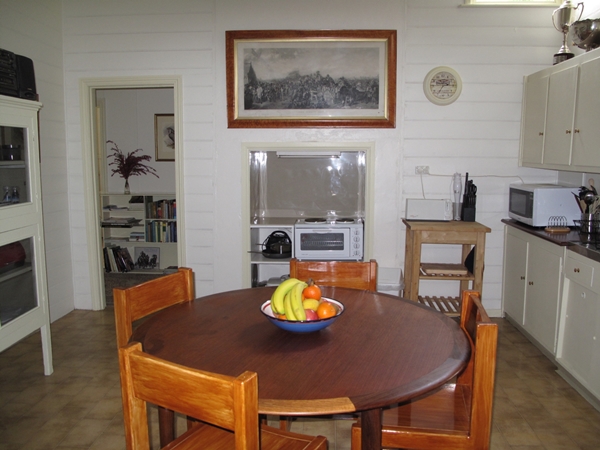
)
(572, 239)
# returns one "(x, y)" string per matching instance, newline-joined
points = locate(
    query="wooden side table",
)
(467, 234)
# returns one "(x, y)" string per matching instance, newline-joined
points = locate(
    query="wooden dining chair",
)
(226, 407)
(350, 274)
(139, 301)
(458, 416)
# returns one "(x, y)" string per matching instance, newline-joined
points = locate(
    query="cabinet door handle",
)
(541, 133)
(576, 130)
(576, 270)
(531, 283)
(568, 131)
(522, 278)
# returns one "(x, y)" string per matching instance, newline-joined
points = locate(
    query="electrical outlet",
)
(422, 170)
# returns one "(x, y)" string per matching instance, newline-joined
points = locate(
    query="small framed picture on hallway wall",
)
(164, 137)
(300, 78)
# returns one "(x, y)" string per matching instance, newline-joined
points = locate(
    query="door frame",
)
(87, 91)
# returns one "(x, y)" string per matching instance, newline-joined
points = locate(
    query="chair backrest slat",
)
(350, 274)
(139, 301)
(224, 401)
(480, 373)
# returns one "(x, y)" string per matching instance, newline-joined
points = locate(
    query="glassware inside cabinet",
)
(14, 173)
(17, 280)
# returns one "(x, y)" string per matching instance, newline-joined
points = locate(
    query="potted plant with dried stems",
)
(130, 165)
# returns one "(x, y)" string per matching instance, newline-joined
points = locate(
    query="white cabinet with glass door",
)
(23, 285)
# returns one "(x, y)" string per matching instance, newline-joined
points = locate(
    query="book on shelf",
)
(161, 209)
(120, 222)
(137, 236)
(161, 231)
(117, 259)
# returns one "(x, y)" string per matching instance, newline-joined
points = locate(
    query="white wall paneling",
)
(34, 29)
(491, 48)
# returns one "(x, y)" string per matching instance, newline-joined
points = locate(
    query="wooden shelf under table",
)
(448, 305)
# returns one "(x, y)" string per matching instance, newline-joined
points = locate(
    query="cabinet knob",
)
(568, 131)
(576, 269)
(541, 133)
(576, 130)
(531, 283)
(522, 278)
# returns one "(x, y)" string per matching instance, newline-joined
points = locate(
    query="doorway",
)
(96, 180)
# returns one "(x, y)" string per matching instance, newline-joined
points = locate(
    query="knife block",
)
(468, 209)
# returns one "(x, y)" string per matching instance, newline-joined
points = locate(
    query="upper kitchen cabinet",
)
(559, 107)
(562, 90)
(586, 133)
(535, 96)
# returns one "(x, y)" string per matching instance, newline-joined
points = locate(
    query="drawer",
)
(579, 270)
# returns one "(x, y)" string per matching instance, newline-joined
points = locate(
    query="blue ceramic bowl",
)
(307, 326)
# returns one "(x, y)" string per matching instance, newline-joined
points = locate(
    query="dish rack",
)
(589, 229)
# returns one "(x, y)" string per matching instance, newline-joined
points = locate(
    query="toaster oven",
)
(329, 239)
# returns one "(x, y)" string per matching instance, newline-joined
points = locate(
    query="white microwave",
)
(535, 204)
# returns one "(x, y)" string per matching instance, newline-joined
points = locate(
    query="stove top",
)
(329, 221)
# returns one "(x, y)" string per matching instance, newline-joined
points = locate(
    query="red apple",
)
(311, 315)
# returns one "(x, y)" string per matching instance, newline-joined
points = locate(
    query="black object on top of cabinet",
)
(17, 77)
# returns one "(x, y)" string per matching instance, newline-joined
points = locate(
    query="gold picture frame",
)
(164, 137)
(310, 79)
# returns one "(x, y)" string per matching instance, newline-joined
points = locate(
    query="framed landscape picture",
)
(147, 258)
(327, 78)
(164, 137)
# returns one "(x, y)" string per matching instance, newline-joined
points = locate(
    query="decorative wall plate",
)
(442, 85)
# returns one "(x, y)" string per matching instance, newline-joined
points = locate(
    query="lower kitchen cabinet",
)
(515, 270)
(532, 285)
(578, 350)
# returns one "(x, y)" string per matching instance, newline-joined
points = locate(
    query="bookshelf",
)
(139, 232)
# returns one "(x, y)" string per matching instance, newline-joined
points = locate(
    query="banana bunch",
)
(287, 299)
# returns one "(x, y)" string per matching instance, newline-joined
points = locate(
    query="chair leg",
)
(166, 426)
(285, 423)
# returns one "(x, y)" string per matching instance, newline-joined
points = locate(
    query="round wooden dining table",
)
(380, 351)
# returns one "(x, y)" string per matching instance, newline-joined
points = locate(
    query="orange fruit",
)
(326, 310)
(312, 291)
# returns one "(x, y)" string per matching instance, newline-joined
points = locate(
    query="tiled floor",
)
(79, 406)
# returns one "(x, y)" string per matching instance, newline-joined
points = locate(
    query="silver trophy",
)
(562, 18)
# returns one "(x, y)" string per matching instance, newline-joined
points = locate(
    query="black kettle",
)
(277, 245)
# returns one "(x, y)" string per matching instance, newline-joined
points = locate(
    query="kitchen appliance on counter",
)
(326, 238)
(535, 204)
(277, 245)
(429, 209)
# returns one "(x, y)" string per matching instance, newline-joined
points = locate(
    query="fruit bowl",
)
(307, 326)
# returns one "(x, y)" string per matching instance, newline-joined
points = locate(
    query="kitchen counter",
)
(571, 240)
